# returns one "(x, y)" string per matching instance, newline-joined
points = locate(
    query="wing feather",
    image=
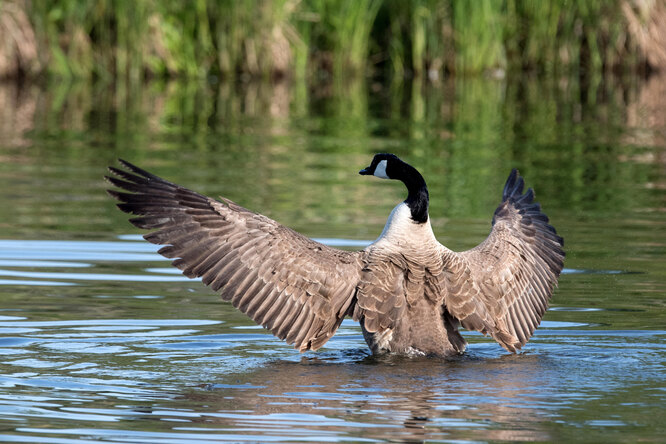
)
(503, 286)
(380, 297)
(297, 288)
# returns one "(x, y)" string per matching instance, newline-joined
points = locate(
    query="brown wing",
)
(380, 298)
(297, 288)
(502, 287)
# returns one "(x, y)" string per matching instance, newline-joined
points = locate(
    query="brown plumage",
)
(409, 292)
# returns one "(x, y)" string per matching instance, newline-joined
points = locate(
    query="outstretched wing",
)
(502, 287)
(297, 288)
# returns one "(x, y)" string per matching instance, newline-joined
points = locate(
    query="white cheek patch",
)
(380, 171)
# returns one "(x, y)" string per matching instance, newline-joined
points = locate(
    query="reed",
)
(133, 39)
(420, 36)
(477, 31)
(342, 32)
(590, 35)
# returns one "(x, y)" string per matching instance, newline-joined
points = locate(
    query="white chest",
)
(401, 230)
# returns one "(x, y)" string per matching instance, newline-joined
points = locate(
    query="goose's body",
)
(409, 292)
(402, 269)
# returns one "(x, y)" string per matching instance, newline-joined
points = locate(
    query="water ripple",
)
(186, 375)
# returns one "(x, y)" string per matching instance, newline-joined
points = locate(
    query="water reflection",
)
(472, 132)
(391, 399)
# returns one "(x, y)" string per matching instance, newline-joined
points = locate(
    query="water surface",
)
(102, 340)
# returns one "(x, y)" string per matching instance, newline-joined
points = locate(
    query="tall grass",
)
(133, 39)
(343, 29)
(588, 35)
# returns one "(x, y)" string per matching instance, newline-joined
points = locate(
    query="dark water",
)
(102, 340)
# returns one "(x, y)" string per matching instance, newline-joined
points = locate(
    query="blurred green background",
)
(126, 40)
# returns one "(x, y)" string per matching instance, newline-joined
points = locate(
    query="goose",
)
(409, 293)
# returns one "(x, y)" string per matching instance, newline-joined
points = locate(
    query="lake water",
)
(101, 340)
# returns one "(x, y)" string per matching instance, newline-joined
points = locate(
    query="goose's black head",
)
(389, 166)
(382, 166)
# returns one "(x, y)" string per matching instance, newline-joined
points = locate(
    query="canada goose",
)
(409, 292)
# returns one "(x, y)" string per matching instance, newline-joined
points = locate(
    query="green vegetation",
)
(134, 39)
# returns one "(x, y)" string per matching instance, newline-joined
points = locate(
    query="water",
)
(100, 339)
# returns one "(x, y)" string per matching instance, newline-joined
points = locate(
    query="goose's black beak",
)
(365, 172)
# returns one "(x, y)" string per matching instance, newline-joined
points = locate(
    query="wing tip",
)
(124, 163)
(115, 171)
(524, 202)
(508, 341)
(115, 194)
(139, 173)
(514, 185)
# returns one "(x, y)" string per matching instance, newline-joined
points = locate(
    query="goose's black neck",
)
(417, 197)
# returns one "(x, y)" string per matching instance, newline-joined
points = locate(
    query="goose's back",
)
(400, 293)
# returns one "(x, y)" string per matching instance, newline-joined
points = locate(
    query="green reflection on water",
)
(272, 146)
